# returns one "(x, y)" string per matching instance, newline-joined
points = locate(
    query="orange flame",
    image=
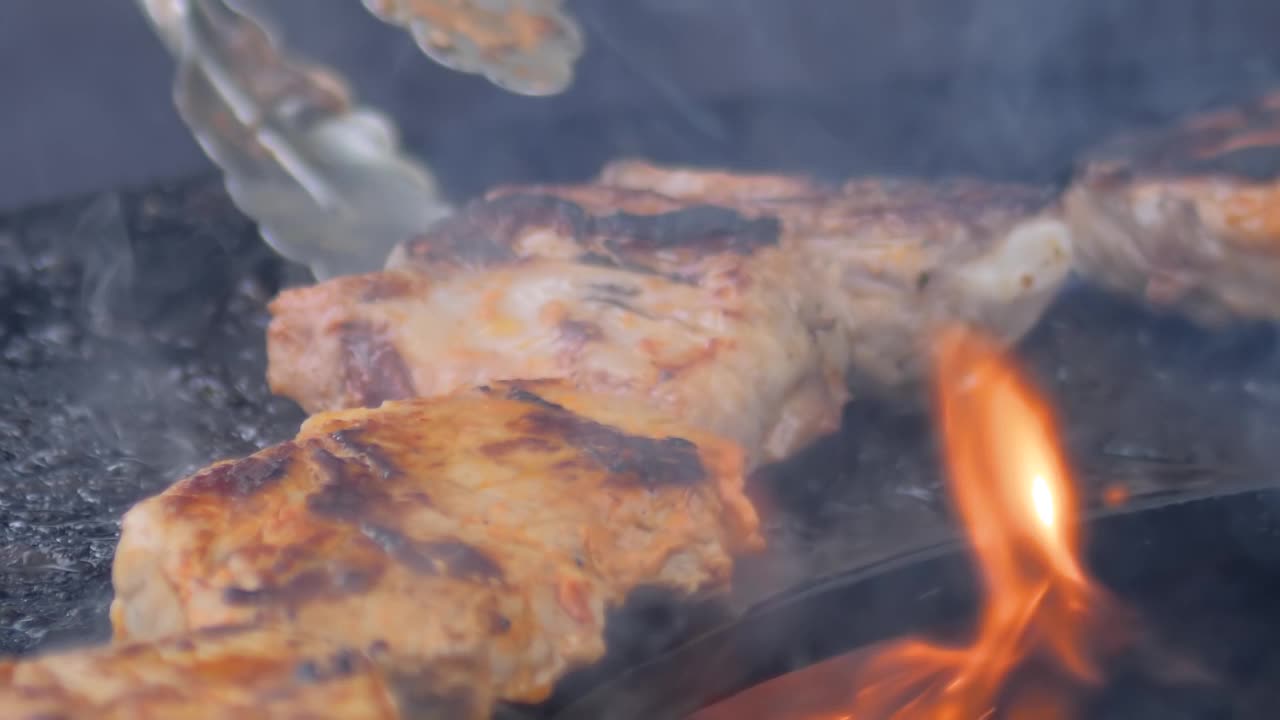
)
(1012, 490)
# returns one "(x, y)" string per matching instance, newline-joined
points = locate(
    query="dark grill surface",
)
(132, 351)
(131, 338)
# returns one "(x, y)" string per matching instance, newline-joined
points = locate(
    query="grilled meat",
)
(216, 674)
(693, 310)
(888, 260)
(737, 303)
(1188, 217)
(492, 526)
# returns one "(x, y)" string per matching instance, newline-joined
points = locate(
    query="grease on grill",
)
(372, 370)
(242, 478)
(629, 459)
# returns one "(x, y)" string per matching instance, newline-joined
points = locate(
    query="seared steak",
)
(493, 527)
(740, 304)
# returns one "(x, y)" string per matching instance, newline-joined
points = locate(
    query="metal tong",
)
(325, 178)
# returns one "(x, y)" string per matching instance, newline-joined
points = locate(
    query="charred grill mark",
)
(372, 370)
(350, 489)
(306, 586)
(532, 444)
(615, 302)
(448, 558)
(221, 631)
(354, 440)
(519, 394)
(615, 289)
(246, 477)
(706, 227)
(628, 459)
(483, 233)
(616, 262)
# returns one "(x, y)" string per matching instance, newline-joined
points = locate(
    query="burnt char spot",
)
(450, 558)
(628, 458)
(243, 478)
(350, 489)
(482, 234)
(372, 369)
(309, 585)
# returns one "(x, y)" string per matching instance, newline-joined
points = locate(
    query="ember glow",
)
(1014, 496)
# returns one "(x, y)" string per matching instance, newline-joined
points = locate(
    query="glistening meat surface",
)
(492, 527)
(742, 304)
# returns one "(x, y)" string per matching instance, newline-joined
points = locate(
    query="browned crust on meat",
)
(240, 478)
(351, 355)
(494, 524)
(487, 232)
(628, 459)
